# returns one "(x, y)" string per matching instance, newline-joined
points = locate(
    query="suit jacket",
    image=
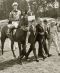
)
(31, 38)
(39, 32)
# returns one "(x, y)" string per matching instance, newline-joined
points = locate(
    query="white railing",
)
(4, 21)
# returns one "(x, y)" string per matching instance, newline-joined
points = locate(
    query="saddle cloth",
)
(30, 18)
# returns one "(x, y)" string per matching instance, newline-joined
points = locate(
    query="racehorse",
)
(19, 37)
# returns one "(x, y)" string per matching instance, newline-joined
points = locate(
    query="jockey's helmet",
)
(15, 4)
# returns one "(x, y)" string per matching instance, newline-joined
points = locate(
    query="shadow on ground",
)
(7, 64)
(10, 63)
(0, 52)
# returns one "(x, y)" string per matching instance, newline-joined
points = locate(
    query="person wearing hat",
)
(14, 17)
(54, 37)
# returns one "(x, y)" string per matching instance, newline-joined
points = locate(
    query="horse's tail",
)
(3, 37)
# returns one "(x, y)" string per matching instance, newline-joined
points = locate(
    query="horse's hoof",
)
(37, 60)
(44, 58)
(49, 55)
(14, 56)
(2, 54)
(22, 56)
(20, 62)
(26, 58)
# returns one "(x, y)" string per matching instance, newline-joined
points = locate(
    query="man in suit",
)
(46, 37)
(39, 38)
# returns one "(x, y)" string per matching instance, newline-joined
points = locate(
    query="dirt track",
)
(9, 65)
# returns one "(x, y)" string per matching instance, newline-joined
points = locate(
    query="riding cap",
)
(15, 4)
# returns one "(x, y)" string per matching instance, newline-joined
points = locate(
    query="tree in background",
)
(44, 8)
(7, 7)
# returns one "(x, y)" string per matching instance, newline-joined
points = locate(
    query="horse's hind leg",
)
(3, 38)
(12, 44)
(2, 45)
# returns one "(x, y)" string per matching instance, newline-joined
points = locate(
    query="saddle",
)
(25, 28)
(12, 31)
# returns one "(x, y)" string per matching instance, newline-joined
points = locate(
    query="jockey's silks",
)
(15, 15)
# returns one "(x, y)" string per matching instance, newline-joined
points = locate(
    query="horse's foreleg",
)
(12, 44)
(20, 53)
(24, 50)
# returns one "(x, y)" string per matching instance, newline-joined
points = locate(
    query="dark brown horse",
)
(19, 36)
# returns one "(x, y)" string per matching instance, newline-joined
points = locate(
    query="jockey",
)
(14, 17)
